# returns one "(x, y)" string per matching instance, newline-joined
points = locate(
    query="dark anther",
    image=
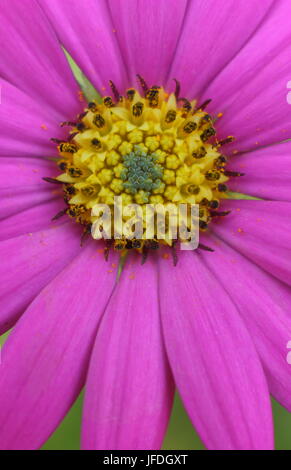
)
(82, 115)
(70, 190)
(204, 202)
(219, 214)
(130, 94)
(174, 254)
(142, 83)
(222, 188)
(99, 121)
(177, 88)
(203, 225)
(68, 123)
(170, 116)
(205, 120)
(108, 244)
(71, 136)
(137, 109)
(204, 105)
(60, 214)
(92, 106)
(75, 172)
(144, 255)
(115, 92)
(220, 160)
(213, 204)
(66, 147)
(186, 104)
(119, 245)
(136, 243)
(62, 166)
(108, 102)
(52, 180)
(128, 244)
(152, 244)
(189, 127)
(96, 143)
(210, 132)
(228, 140)
(212, 175)
(152, 95)
(205, 247)
(85, 234)
(56, 141)
(199, 153)
(80, 126)
(233, 173)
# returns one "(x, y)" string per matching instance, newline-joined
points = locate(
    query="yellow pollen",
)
(147, 149)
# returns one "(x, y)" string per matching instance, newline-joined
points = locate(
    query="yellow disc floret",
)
(153, 148)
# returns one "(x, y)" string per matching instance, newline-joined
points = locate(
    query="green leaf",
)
(122, 261)
(86, 86)
(234, 195)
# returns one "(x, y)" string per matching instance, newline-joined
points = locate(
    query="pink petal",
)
(45, 359)
(212, 35)
(26, 126)
(260, 230)
(17, 172)
(87, 32)
(22, 186)
(129, 389)
(32, 220)
(29, 263)
(214, 362)
(265, 306)
(15, 200)
(267, 173)
(33, 60)
(254, 102)
(148, 34)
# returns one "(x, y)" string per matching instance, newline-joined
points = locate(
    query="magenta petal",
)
(87, 32)
(33, 60)
(17, 172)
(148, 33)
(15, 200)
(28, 263)
(44, 361)
(264, 304)
(254, 102)
(26, 126)
(214, 362)
(32, 220)
(261, 231)
(129, 389)
(212, 35)
(267, 173)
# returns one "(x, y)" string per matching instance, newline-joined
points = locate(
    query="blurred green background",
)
(180, 433)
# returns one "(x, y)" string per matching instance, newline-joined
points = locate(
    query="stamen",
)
(233, 173)
(177, 88)
(115, 92)
(60, 214)
(142, 83)
(52, 180)
(228, 140)
(204, 105)
(205, 247)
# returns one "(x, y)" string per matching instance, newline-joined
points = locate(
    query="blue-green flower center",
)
(141, 172)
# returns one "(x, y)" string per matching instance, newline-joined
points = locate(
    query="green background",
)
(180, 433)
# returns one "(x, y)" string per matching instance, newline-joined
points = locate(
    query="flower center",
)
(153, 148)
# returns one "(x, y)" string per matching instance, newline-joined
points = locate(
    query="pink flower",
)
(217, 325)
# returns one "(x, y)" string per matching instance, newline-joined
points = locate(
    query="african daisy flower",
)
(215, 322)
